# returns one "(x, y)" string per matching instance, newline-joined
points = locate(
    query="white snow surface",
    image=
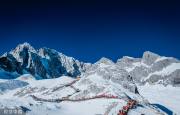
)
(167, 96)
(44, 89)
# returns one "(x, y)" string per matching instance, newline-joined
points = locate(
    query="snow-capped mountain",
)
(79, 88)
(48, 63)
(42, 63)
(152, 68)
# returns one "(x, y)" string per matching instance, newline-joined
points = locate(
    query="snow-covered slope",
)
(168, 97)
(84, 92)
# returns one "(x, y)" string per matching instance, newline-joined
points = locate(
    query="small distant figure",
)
(136, 90)
(130, 78)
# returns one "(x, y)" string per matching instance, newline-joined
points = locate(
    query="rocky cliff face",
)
(42, 63)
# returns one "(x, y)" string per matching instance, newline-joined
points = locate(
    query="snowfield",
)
(52, 89)
(19, 96)
(158, 94)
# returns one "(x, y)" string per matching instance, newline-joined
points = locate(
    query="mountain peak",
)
(105, 61)
(42, 63)
(149, 57)
(23, 46)
(150, 53)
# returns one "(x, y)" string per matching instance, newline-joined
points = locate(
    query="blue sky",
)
(89, 30)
